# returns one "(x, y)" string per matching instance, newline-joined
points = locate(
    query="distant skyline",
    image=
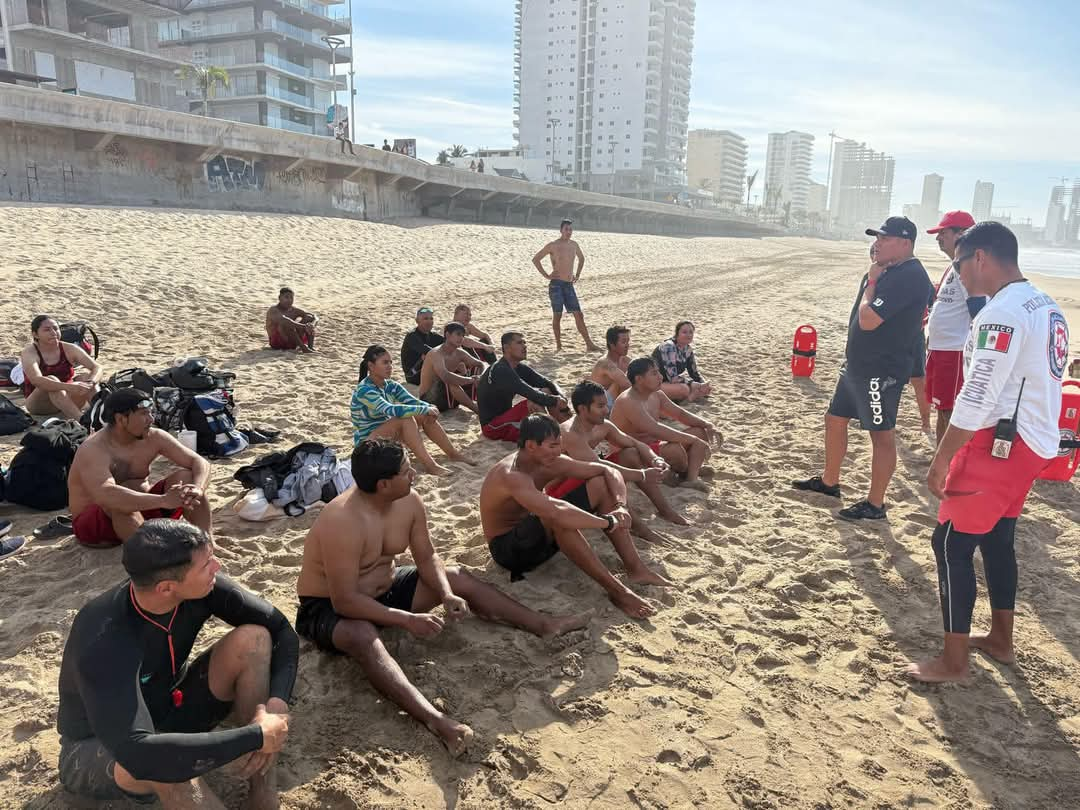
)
(973, 91)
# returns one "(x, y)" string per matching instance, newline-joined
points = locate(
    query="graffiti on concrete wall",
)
(225, 173)
(116, 155)
(297, 177)
(352, 199)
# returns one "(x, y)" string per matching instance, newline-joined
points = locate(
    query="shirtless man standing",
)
(526, 527)
(610, 371)
(638, 409)
(107, 488)
(449, 375)
(563, 251)
(349, 584)
(289, 327)
(482, 347)
(634, 460)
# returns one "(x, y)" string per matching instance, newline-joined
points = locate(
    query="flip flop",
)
(59, 526)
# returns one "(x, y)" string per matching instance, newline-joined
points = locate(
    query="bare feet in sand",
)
(631, 604)
(697, 484)
(262, 793)
(699, 392)
(455, 736)
(435, 468)
(464, 459)
(646, 576)
(1000, 651)
(639, 529)
(592, 347)
(558, 625)
(936, 671)
(671, 516)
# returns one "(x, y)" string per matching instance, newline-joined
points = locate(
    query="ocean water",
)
(1050, 262)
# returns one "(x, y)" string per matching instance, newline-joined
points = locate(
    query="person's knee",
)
(699, 432)
(883, 439)
(358, 639)
(251, 641)
(678, 391)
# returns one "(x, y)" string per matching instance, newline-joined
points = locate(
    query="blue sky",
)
(984, 89)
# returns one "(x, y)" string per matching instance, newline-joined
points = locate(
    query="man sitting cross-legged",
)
(349, 585)
(477, 342)
(136, 717)
(108, 491)
(288, 326)
(526, 527)
(610, 370)
(635, 460)
(445, 378)
(638, 409)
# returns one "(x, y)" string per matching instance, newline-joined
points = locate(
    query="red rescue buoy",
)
(1063, 467)
(803, 351)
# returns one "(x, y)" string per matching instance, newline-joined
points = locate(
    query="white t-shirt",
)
(950, 320)
(1019, 335)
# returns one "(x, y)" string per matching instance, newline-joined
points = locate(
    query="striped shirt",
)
(372, 406)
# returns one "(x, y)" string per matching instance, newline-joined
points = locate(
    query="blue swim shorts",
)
(563, 294)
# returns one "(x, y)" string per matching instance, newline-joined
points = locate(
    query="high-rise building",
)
(716, 162)
(861, 185)
(101, 48)
(279, 65)
(602, 91)
(1055, 215)
(983, 203)
(1072, 222)
(787, 170)
(931, 193)
(816, 198)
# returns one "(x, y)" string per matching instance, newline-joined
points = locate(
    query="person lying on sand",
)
(610, 371)
(108, 492)
(634, 460)
(350, 586)
(136, 718)
(637, 411)
(51, 383)
(510, 377)
(384, 408)
(288, 327)
(449, 375)
(526, 527)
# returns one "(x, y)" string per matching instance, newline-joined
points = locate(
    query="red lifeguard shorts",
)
(944, 378)
(614, 457)
(280, 342)
(980, 490)
(93, 527)
(504, 427)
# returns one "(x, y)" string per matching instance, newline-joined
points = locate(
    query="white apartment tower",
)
(602, 91)
(716, 162)
(983, 201)
(787, 170)
(861, 185)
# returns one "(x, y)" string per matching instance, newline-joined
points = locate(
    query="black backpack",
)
(195, 375)
(13, 419)
(268, 472)
(39, 471)
(81, 334)
(136, 378)
(7, 364)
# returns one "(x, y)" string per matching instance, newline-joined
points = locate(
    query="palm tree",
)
(443, 158)
(459, 150)
(207, 78)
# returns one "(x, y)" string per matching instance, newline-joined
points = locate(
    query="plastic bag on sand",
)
(254, 507)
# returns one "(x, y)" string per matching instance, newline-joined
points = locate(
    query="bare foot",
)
(557, 625)
(647, 577)
(434, 468)
(707, 471)
(935, 671)
(464, 459)
(592, 347)
(646, 534)
(697, 484)
(671, 516)
(998, 650)
(454, 735)
(631, 604)
(262, 793)
(558, 347)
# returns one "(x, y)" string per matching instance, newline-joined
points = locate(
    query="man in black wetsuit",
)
(510, 377)
(417, 343)
(119, 740)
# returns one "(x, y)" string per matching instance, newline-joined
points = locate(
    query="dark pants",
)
(955, 552)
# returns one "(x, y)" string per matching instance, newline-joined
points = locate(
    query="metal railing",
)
(289, 96)
(291, 126)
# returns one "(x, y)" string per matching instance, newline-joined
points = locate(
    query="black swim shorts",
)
(525, 547)
(918, 357)
(316, 619)
(439, 396)
(86, 766)
(874, 401)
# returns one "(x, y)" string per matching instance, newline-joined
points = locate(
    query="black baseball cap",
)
(126, 400)
(895, 226)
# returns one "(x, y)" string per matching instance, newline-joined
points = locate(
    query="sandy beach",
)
(771, 675)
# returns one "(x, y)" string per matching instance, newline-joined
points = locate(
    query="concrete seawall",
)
(59, 148)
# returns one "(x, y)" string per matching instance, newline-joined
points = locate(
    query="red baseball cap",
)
(954, 219)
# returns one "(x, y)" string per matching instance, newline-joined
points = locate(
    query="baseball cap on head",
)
(954, 219)
(126, 400)
(895, 226)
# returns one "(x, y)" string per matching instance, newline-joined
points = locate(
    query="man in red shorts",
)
(500, 419)
(949, 324)
(289, 327)
(108, 492)
(1003, 433)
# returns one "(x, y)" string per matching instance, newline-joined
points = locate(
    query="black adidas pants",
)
(955, 552)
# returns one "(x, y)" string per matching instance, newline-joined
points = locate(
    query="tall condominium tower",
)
(983, 202)
(787, 170)
(861, 185)
(602, 91)
(716, 162)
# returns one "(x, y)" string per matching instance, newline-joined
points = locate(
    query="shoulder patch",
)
(995, 337)
(878, 302)
(1058, 347)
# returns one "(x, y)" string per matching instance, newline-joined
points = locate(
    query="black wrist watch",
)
(611, 522)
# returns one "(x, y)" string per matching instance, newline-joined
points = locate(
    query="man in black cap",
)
(108, 491)
(884, 324)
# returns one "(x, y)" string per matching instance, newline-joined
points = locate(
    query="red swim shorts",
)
(980, 490)
(280, 342)
(504, 427)
(614, 457)
(93, 527)
(944, 378)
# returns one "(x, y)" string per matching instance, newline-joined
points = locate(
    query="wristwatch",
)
(611, 522)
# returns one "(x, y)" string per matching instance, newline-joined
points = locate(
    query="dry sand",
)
(770, 676)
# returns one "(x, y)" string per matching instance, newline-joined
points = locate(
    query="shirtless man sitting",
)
(349, 585)
(483, 348)
(449, 374)
(107, 488)
(635, 460)
(51, 383)
(526, 527)
(289, 327)
(638, 409)
(610, 371)
(563, 252)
